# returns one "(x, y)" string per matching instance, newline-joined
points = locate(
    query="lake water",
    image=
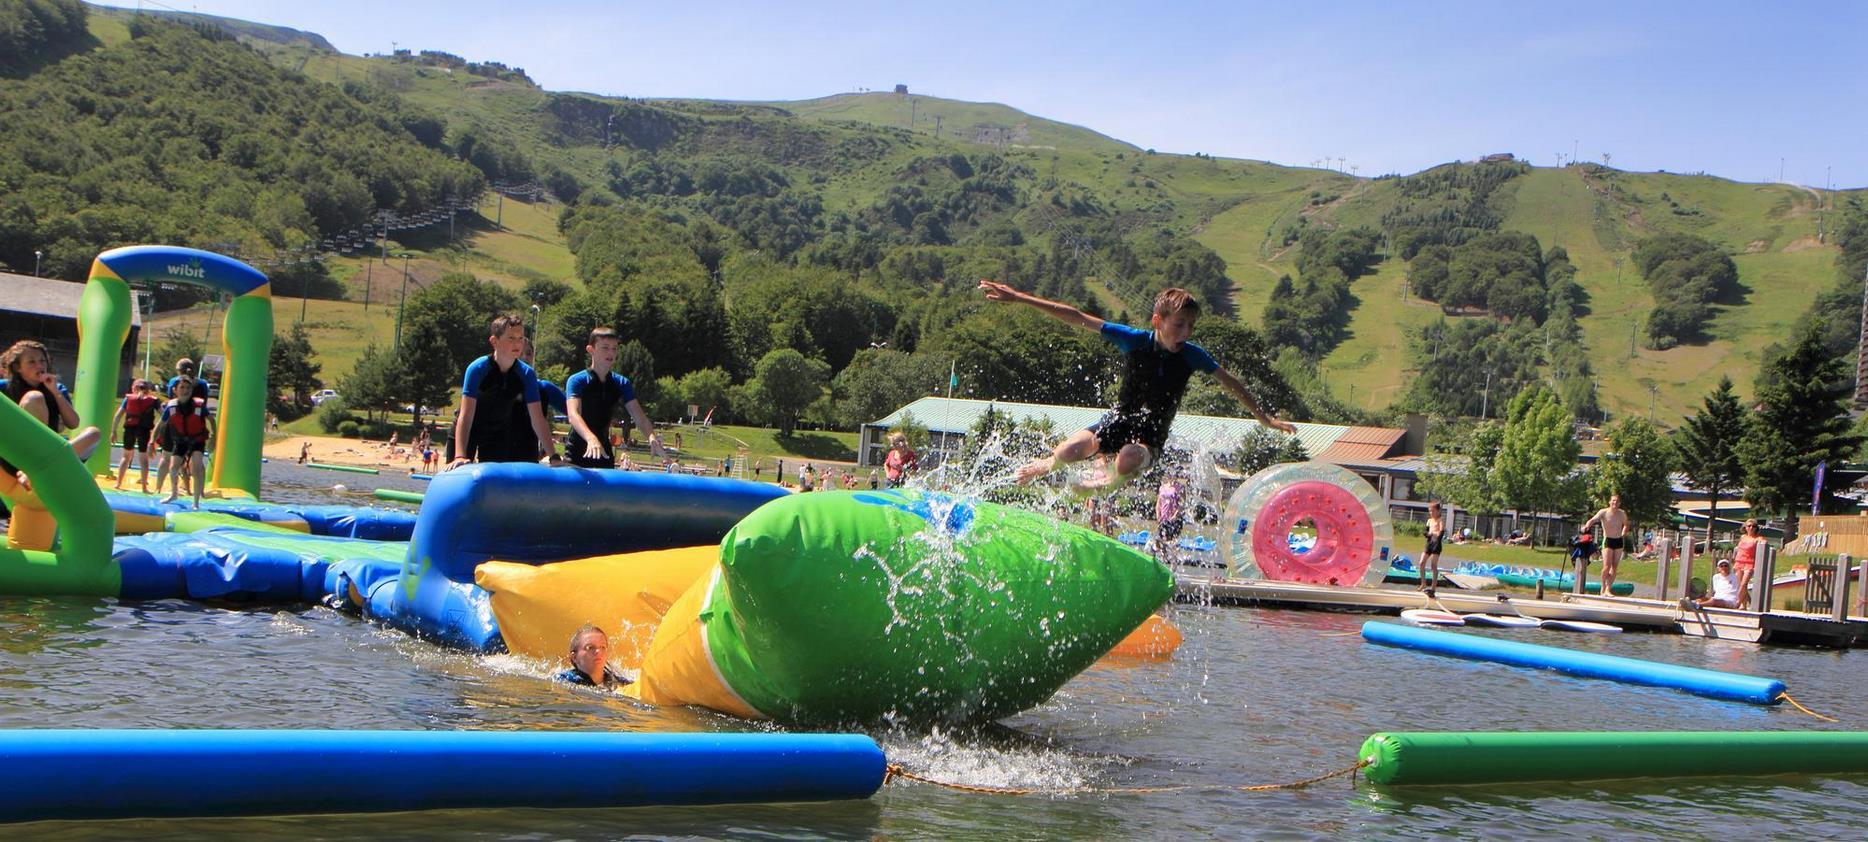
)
(1254, 696)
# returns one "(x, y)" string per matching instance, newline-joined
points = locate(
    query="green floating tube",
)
(349, 469)
(195, 521)
(1430, 758)
(398, 496)
(1563, 583)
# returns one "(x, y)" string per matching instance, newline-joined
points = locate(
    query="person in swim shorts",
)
(1430, 554)
(136, 416)
(1156, 366)
(1614, 523)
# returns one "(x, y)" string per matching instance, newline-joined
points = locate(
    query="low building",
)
(1384, 456)
(47, 310)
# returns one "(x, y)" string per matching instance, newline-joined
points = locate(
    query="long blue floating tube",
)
(72, 774)
(1712, 683)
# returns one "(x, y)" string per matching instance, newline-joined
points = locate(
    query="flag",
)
(1816, 498)
(953, 377)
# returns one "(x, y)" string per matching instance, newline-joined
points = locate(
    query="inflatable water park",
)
(911, 607)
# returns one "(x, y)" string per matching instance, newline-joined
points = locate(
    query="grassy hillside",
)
(847, 150)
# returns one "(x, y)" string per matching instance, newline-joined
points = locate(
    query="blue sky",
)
(1727, 88)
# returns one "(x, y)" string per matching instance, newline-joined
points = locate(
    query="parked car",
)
(323, 395)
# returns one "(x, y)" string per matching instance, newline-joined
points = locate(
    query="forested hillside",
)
(839, 240)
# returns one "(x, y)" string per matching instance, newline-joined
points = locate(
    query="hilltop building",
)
(901, 89)
(47, 310)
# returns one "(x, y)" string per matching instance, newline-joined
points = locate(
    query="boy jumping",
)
(592, 396)
(1155, 372)
(485, 430)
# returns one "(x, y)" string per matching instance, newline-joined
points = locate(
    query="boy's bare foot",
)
(170, 498)
(24, 481)
(1034, 469)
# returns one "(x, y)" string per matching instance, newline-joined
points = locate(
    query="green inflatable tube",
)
(904, 606)
(1563, 584)
(399, 496)
(349, 469)
(1428, 758)
(79, 563)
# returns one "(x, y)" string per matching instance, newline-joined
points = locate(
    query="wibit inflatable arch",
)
(104, 314)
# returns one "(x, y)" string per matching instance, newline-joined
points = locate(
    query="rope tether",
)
(1799, 706)
(895, 770)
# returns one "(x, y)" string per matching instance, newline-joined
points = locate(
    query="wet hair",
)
(604, 333)
(585, 629)
(1173, 300)
(504, 323)
(16, 386)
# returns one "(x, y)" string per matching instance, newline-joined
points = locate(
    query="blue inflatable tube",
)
(530, 513)
(1710, 683)
(336, 521)
(91, 774)
(240, 564)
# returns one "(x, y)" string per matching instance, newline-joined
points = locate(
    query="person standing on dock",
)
(1745, 559)
(1430, 554)
(1614, 523)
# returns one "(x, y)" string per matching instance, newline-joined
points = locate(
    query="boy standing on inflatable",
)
(1156, 367)
(494, 387)
(185, 429)
(592, 398)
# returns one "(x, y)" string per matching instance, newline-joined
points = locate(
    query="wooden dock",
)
(1775, 627)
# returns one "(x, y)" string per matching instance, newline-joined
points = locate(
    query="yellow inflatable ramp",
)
(540, 606)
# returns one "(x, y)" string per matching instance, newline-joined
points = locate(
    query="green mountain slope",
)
(856, 166)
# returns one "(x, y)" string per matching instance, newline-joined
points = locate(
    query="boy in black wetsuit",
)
(591, 400)
(1155, 372)
(486, 429)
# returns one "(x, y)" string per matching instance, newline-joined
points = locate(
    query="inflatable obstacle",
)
(1401, 759)
(1353, 535)
(532, 514)
(1703, 682)
(55, 774)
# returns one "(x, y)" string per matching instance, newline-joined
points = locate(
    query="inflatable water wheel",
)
(1352, 534)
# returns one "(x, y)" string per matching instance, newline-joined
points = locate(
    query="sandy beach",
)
(332, 450)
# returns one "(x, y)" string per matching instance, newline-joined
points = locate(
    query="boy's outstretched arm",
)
(1237, 389)
(646, 426)
(1065, 313)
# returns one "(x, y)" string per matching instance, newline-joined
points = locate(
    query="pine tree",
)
(1706, 447)
(1802, 421)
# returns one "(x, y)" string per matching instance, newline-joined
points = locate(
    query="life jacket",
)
(192, 423)
(140, 410)
(600, 397)
(1153, 380)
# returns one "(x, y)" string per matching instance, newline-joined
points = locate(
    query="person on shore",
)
(590, 660)
(1170, 517)
(304, 455)
(1745, 559)
(497, 389)
(592, 396)
(185, 429)
(33, 384)
(1430, 554)
(1614, 523)
(900, 461)
(1157, 365)
(136, 417)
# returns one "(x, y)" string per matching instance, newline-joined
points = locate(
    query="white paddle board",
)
(1501, 621)
(1581, 626)
(1432, 617)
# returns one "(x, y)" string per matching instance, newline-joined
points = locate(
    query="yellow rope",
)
(894, 770)
(1799, 706)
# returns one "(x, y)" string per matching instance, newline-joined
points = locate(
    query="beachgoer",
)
(1157, 366)
(1724, 587)
(304, 455)
(136, 417)
(900, 460)
(185, 430)
(593, 396)
(590, 660)
(1745, 559)
(1430, 554)
(1170, 516)
(495, 389)
(875, 480)
(1614, 540)
(33, 384)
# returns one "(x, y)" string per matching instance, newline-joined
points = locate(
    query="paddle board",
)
(1500, 621)
(1432, 617)
(1581, 626)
